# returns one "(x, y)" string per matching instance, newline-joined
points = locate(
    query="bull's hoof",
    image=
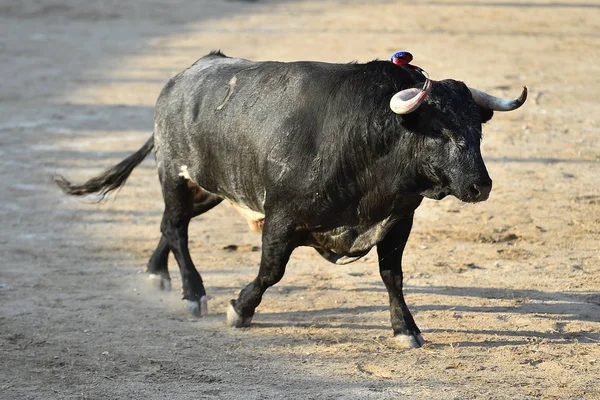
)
(196, 308)
(160, 282)
(234, 319)
(412, 341)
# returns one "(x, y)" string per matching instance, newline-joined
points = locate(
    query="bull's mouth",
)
(470, 199)
(471, 196)
(436, 194)
(440, 195)
(475, 194)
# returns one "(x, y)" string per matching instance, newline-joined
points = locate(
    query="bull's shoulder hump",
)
(216, 61)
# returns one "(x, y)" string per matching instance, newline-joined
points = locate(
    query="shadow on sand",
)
(559, 306)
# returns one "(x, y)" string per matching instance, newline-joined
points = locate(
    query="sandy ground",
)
(507, 293)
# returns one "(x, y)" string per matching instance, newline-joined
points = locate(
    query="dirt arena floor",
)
(507, 292)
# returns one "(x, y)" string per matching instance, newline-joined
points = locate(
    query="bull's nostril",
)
(480, 192)
(475, 191)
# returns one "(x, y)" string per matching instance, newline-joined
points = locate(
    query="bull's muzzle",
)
(481, 191)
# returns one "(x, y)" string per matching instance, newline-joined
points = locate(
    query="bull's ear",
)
(486, 114)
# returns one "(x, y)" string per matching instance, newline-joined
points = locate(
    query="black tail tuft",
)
(111, 179)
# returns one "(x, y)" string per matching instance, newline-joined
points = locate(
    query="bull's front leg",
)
(389, 251)
(277, 246)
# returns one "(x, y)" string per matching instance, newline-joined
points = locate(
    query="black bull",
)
(313, 154)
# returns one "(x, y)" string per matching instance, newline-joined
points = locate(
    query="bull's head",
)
(447, 117)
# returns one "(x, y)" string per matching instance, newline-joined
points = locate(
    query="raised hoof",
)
(196, 308)
(413, 341)
(234, 319)
(160, 282)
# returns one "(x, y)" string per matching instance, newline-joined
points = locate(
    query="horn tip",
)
(521, 99)
(523, 95)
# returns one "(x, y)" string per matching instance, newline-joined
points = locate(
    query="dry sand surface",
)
(507, 292)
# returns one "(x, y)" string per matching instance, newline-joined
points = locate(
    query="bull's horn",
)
(408, 100)
(497, 104)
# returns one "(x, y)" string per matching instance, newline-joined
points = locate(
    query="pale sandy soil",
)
(507, 292)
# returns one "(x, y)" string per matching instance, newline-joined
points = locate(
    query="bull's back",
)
(233, 122)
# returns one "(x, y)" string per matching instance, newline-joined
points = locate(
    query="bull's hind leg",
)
(158, 265)
(389, 251)
(277, 246)
(180, 198)
(157, 268)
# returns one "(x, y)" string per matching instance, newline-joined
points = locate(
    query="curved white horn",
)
(498, 104)
(408, 100)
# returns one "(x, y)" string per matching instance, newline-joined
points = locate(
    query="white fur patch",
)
(185, 173)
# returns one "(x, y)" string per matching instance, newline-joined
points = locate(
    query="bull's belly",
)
(338, 259)
(340, 246)
(347, 244)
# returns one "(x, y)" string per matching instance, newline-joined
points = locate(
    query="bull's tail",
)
(111, 179)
